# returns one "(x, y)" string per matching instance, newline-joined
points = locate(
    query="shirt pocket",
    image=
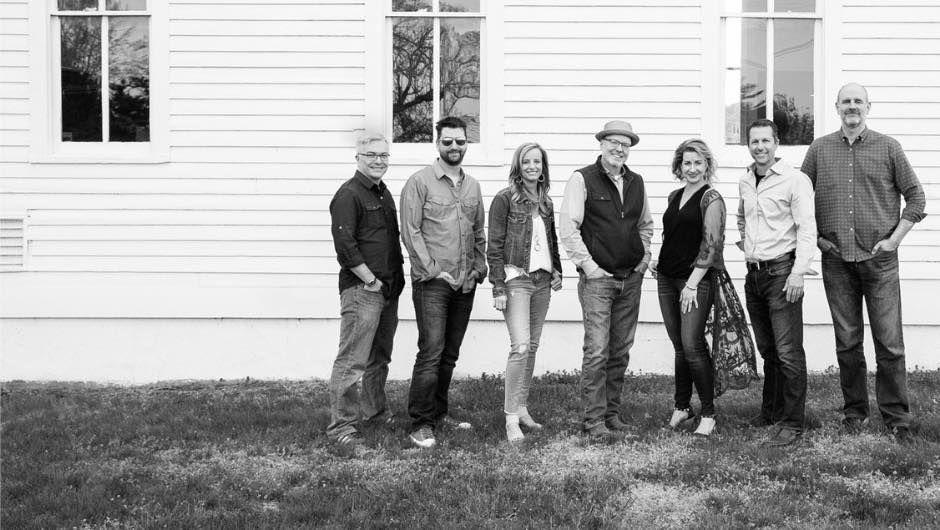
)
(437, 208)
(373, 215)
(469, 206)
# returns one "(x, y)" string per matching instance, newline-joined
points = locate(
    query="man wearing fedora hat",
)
(606, 228)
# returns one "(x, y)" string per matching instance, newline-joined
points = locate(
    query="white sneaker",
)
(513, 432)
(679, 416)
(447, 421)
(423, 437)
(705, 427)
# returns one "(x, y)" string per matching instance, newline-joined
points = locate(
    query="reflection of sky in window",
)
(793, 61)
(126, 5)
(471, 6)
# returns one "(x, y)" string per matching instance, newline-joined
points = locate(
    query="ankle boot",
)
(513, 432)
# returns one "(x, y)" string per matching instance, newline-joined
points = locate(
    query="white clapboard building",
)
(166, 166)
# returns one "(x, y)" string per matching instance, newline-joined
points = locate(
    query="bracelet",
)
(693, 289)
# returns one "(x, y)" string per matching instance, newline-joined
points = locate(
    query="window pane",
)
(411, 5)
(129, 78)
(81, 79)
(460, 72)
(126, 5)
(467, 6)
(78, 5)
(803, 6)
(745, 6)
(793, 81)
(412, 93)
(745, 77)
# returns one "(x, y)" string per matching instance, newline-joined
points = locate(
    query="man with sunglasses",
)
(371, 278)
(442, 228)
(606, 228)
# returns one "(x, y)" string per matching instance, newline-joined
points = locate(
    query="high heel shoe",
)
(526, 421)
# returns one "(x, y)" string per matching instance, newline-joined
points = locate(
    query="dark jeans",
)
(610, 309)
(366, 334)
(778, 332)
(442, 315)
(875, 280)
(687, 333)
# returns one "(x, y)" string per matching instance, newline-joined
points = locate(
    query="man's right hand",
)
(827, 246)
(446, 277)
(654, 266)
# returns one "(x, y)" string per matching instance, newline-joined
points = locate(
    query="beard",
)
(453, 157)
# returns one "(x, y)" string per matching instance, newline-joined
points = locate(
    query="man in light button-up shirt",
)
(777, 224)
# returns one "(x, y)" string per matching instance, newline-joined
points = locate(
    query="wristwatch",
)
(371, 283)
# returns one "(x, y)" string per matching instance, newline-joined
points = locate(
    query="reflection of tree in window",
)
(129, 79)
(460, 72)
(81, 79)
(412, 97)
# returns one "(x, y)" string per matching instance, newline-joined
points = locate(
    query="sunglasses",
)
(446, 142)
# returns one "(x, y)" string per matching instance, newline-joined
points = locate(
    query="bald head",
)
(854, 87)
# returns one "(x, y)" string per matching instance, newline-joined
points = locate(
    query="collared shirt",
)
(442, 225)
(365, 230)
(572, 215)
(859, 189)
(777, 216)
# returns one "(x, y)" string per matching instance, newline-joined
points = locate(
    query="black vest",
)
(609, 228)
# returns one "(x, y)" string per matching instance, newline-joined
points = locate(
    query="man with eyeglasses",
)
(606, 228)
(371, 278)
(442, 228)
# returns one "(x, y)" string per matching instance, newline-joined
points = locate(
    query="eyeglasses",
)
(447, 141)
(373, 156)
(616, 143)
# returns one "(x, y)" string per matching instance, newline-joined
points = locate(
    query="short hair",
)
(763, 122)
(843, 87)
(450, 122)
(365, 138)
(699, 147)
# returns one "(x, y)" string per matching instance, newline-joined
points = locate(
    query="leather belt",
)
(760, 265)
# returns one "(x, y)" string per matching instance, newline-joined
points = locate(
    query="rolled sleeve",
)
(908, 186)
(344, 218)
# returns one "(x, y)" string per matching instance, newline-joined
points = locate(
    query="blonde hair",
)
(700, 148)
(517, 188)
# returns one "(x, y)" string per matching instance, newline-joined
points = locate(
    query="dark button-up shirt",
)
(365, 230)
(859, 189)
(442, 226)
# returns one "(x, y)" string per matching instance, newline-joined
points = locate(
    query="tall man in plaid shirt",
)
(860, 176)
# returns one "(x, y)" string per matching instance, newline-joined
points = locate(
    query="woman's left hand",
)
(688, 299)
(556, 281)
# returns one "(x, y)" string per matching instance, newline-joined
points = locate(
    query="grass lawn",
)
(252, 454)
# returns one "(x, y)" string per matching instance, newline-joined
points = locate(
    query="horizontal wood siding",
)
(14, 81)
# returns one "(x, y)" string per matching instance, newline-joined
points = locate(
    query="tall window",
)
(435, 66)
(769, 67)
(102, 49)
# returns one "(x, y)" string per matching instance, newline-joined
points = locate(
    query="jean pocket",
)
(780, 269)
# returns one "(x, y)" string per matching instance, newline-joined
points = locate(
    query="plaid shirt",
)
(859, 189)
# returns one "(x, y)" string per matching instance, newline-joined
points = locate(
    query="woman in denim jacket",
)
(522, 253)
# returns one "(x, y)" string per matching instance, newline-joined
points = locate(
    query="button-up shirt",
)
(572, 215)
(365, 230)
(776, 216)
(859, 188)
(442, 225)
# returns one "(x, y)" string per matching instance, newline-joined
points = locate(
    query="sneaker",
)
(448, 421)
(423, 437)
(705, 427)
(902, 434)
(680, 416)
(513, 432)
(760, 421)
(614, 423)
(351, 438)
(783, 438)
(854, 424)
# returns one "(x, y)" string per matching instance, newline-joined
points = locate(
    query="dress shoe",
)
(783, 438)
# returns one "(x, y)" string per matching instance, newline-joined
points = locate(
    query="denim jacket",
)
(510, 238)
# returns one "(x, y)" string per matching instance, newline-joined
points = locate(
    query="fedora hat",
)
(618, 127)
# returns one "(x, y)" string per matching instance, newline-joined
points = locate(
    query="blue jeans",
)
(875, 280)
(366, 334)
(442, 316)
(778, 332)
(687, 333)
(526, 307)
(610, 309)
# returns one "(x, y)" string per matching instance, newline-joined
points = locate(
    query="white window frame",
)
(46, 145)
(827, 72)
(378, 85)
